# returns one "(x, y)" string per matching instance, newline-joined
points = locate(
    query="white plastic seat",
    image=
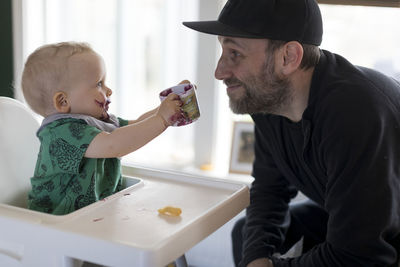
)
(19, 147)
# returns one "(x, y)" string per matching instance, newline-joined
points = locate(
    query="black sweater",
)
(345, 155)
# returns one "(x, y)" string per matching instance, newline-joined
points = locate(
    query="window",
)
(351, 32)
(146, 49)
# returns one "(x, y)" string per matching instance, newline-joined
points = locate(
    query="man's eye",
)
(100, 84)
(235, 54)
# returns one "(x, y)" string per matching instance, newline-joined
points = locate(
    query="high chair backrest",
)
(19, 147)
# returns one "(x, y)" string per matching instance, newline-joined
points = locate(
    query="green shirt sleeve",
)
(122, 122)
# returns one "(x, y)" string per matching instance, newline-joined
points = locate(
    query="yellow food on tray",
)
(170, 211)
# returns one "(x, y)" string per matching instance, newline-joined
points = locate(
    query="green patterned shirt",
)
(64, 180)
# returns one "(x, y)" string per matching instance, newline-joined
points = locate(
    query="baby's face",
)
(88, 93)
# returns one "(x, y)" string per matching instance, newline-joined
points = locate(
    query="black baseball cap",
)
(286, 20)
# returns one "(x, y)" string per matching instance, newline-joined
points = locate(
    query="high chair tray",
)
(126, 229)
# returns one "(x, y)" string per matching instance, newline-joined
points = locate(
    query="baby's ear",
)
(60, 102)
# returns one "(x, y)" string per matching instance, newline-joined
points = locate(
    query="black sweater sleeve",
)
(267, 215)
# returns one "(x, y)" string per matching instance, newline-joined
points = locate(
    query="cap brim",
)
(217, 28)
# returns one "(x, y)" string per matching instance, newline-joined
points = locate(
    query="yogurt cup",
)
(190, 107)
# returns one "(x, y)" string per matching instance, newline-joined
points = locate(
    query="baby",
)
(78, 162)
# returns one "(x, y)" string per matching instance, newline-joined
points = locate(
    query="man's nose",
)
(221, 71)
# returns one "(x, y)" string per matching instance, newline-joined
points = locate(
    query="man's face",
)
(249, 74)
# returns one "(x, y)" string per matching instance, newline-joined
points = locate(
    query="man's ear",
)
(292, 56)
(61, 103)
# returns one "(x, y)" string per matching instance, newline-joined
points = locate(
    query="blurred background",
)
(147, 49)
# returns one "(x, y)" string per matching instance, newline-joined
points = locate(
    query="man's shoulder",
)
(338, 74)
(340, 85)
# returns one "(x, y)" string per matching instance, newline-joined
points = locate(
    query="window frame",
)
(379, 3)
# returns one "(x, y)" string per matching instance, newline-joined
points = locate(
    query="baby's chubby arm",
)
(127, 139)
(144, 116)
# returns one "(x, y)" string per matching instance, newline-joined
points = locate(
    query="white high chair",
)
(124, 229)
(19, 147)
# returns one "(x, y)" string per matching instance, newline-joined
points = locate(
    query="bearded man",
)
(323, 126)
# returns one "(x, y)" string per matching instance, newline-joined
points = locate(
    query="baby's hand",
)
(170, 109)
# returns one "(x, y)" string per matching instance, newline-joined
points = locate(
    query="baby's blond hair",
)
(45, 73)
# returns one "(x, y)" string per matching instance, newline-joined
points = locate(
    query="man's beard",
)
(263, 93)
